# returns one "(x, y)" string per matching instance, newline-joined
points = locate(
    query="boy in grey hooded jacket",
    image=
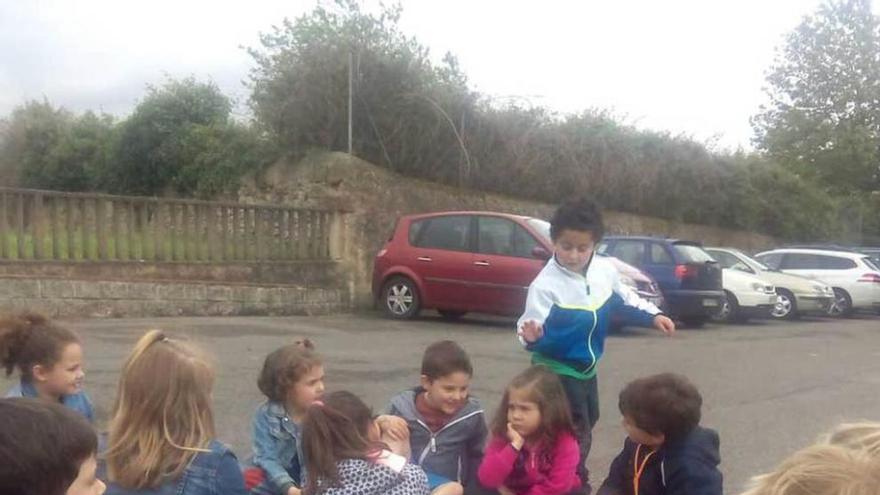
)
(447, 427)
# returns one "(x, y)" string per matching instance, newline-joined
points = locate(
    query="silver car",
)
(795, 294)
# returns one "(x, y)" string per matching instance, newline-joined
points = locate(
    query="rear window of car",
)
(690, 253)
(809, 261)
(415, 229)
(871, 264)
(450, 232)
(837, 263)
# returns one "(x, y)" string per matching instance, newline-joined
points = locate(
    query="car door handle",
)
(424, 258)
(481, 263)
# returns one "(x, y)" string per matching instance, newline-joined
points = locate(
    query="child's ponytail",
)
(335, 429)
(28, 339)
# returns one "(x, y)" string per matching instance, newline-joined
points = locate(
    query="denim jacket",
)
(210, 473)
(79, 402)
(277, 443)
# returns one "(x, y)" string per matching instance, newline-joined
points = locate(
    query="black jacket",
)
(688, 466)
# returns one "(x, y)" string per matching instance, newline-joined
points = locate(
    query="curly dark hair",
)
(577, 214)
(285, 366)
(665, 403)
(29, 339)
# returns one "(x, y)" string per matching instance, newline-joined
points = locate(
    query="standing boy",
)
(568, 313)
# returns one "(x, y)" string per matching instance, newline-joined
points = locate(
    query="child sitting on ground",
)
(49, 359)
(533, 450)
(846, 463)
(341, 445)
(446, 426)
(666, 451)
(162, 437)
(46, 449)
(292, 378)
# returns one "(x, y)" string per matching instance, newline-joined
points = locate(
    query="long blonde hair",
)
(162, 416)
(846, 462)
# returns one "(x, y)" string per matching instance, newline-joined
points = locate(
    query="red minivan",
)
(459, 262)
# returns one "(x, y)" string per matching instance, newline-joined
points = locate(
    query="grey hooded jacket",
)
(455, 451)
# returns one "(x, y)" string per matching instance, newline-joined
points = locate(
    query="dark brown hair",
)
(333, 430)
(29, 339)
(444, 358)
(285, 366)
(580, 214)
(666, 403)
(42, 446)
(544, 389)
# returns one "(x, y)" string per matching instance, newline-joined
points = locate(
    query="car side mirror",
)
(541, 253)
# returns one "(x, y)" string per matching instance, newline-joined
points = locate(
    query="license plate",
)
(710, 303)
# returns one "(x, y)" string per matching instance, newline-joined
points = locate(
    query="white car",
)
(853, 276)
(745, 296)
(795, 294)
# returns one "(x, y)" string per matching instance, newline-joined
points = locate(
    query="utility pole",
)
(350, 91)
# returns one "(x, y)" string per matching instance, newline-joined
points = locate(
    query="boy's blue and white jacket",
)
(575, 310)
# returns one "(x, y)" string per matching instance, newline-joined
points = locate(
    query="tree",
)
(149, 153)
(50, 148)
(408, 112)
(823, 120)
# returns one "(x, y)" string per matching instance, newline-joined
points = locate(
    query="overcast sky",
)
(693, 67)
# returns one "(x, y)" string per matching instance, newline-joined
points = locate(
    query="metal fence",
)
(51, 225)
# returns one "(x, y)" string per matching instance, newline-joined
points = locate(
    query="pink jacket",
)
(544, 472)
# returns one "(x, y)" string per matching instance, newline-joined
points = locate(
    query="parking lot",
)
(768, 387)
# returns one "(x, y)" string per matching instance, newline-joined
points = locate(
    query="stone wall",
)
(57, 297)
(376, 197)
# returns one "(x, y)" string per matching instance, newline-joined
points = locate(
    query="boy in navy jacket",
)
(666, 452)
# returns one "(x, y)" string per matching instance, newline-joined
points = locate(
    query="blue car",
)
(688, 276)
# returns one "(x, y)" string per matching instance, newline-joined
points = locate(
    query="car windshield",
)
(541, 227)
(753, 262)
(692, 253)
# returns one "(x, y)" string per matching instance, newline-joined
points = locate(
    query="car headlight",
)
(759, 287)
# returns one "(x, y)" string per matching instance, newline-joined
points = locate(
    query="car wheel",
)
(694, 321)
(448, 314)
(786, 306)
(842, 304)
(400, 298)
(729, 309)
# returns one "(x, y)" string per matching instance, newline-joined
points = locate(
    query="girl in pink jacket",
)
(533, 450)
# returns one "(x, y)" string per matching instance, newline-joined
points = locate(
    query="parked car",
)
(853, 277)
(689, 278)
(745, 296)
(459, 262)
(794, 294)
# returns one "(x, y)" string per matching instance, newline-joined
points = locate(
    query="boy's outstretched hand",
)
(664, 324)
(531, 331)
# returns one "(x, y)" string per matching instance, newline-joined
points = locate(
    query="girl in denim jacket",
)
(49, 358)
(292, 378)
(162, 437)
(341, 442)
